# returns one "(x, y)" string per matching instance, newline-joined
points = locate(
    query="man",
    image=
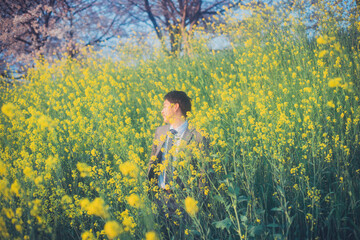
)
(175, 108)
(165, 170)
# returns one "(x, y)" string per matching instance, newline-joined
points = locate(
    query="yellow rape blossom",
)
(18, 228)
(15, 188)
(129, 169)
(51, 162)
(45, 122)
(134, 201)
(19, 212)
(322, 40)
(84, 169)
(9, 109)
(38, 180)
(2, 168)
(322, 53)
(8, 213)
(66, 199)
(96, 207)
(331, 104)
(28, 172)
(93, 152)
(87, 235)
(191, 206)
(335, 82)
(151, 236)
(128, 221)
(112, 229)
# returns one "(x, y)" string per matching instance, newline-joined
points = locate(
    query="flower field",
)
(280, 110)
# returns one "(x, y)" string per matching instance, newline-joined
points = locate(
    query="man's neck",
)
(178, 122)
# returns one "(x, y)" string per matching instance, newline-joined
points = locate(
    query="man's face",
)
(168, 111)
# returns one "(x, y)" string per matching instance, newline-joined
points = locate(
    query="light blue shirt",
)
(180, 132)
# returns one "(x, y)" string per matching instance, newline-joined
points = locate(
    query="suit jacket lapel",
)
(188, 134)
(161, 143)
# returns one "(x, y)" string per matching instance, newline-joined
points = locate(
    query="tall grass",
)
(280, 110)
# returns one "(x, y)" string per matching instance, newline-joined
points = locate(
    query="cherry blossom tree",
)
(30, 29)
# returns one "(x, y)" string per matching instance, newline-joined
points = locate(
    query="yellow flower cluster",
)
(9, 109)
(112, 229)
(151, 236)
(335, 82)
(129, 169)
(15, 188)
(96, 207)
(84, 169)
(191, 206)
(128, 221)
(135, 201)
(87, 235)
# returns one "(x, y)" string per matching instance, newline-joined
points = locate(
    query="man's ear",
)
(176, 106)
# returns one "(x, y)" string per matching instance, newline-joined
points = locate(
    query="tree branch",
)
(214, 5)
(22, 40)
(99, 39)
(152, 19)
(84, 8)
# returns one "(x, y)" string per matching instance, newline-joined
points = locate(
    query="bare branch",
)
(22, 40)
(152, 19)
(214, 5)
(99, 39)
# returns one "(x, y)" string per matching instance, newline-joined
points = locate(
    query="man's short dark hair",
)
(181, 98)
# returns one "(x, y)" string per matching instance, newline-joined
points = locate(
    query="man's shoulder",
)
(197, 135)
(162, 129)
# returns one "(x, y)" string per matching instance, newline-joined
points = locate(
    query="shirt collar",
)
(181, 129)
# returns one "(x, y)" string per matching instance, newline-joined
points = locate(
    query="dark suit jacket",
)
(189, 135)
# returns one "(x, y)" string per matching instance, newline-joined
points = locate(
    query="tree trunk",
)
(175, 39)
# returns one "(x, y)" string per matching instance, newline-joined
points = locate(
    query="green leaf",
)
(277, 209)
(231, 192)
(242, 198)
(226, 223)
(243, 218)
(219, 198)
(280, 190)
(229, 177)
(195, 232)
(256, 230)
